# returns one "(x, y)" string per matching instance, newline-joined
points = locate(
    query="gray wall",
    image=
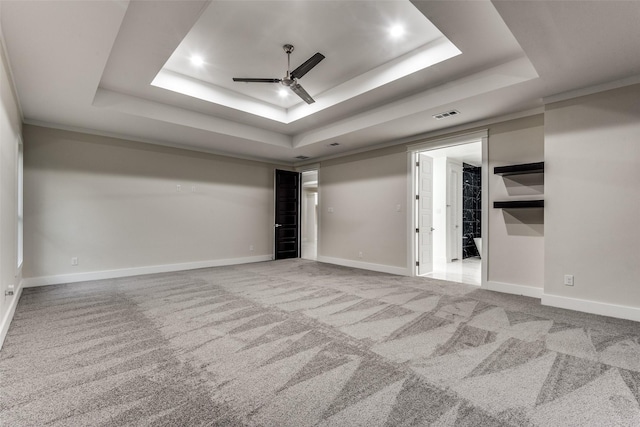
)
(114, 204)
(516, 237)
(364, 192)
(592, 155)
(10, 130)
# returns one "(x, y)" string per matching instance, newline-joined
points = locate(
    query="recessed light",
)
(197, 60)
(396, 31)
(283, 93)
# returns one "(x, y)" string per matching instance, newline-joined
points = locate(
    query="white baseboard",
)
(508, 288)
(137, 271)
(400, 271)
(593, 307)
(8, 316)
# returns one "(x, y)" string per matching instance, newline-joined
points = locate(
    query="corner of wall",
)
(8, 315)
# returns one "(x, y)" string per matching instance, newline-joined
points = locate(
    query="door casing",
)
(287, 214)
(412, 218)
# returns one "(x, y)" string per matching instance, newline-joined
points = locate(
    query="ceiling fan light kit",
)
(290, 80)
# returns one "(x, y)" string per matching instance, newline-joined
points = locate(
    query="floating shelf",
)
(522, 169)
(519, 204)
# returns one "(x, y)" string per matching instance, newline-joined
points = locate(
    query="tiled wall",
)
(471, 208)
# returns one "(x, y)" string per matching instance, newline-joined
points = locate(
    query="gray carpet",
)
(299, 343)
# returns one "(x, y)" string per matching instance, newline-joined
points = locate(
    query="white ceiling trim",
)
(167, 113)
(154, 142)
(185, 85)
(450, 141)
(510, 73)
(424, 57)
(444, 96)
(591, 90)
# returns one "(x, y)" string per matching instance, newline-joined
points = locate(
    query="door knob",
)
(433, 229)
(278, 225)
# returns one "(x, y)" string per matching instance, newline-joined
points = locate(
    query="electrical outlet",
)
(251, 248)
(360, 254)
(74, 261)
(193, 188)
(568, 279)
(178, 188)
(398, 208)
(330, 210)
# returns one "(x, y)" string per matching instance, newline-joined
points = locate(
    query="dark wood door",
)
(287, 226)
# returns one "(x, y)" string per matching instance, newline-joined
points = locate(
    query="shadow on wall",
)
(524, 185)
(524, 222)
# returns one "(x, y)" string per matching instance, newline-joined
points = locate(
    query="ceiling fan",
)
(291, 79)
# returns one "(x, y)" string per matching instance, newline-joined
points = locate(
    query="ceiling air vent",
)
(302, 157)
(334, 144)
(444, 115)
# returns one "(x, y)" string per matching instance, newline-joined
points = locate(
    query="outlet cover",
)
(568, 279)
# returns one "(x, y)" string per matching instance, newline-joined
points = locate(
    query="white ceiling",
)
(89, 65)
(357, 46)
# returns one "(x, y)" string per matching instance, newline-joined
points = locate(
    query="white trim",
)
(137, 271)
(484, 216)
(307, 167)
(8, 317)
(175, 146)
(400, 271)
(9, 69)
(594, 307)
(449, 141)
(509, 288)
(564, 96)
(440, 133)
(411, 213)
(433, 144)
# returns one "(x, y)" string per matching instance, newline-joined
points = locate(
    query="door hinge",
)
(417, 164)
(417, 263)
(417, 197)
(417, 230)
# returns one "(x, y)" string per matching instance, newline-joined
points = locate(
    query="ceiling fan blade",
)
(299, 90)
(307, 66)
(237, 79)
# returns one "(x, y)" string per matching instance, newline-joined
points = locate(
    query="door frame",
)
(307, 168)
(299, 169)
(454, 214)
(303, 213)
(412, 150)
(275, 202)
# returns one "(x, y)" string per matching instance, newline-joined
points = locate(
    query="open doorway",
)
(309, 211)
(449, 213)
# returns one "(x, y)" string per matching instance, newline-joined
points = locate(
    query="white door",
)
(425, 214)
(454, 211)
